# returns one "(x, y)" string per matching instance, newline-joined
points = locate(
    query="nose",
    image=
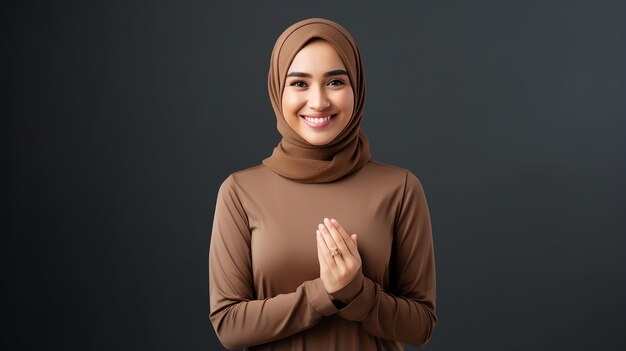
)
(318, 99)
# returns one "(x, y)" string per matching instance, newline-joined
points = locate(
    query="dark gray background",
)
(122, 118)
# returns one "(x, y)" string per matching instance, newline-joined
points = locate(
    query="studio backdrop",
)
(120, 120)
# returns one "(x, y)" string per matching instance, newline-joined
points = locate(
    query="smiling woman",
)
(320, 247)
(318, 100)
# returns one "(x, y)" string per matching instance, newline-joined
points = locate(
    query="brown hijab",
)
(294, 157)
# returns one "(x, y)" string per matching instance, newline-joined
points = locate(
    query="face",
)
(318, 100)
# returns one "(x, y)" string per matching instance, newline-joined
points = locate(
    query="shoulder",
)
(393, 174)
(247, 178)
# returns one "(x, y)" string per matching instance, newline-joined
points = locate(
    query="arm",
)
(407, 313)
(240, 320)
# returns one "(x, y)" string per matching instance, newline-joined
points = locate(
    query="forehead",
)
(316, 56)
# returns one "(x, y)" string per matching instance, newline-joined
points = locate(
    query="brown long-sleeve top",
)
(264, 278)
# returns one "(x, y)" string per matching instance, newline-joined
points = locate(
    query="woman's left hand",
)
(336, 270)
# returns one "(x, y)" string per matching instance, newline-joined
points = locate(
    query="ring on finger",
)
(335, 252)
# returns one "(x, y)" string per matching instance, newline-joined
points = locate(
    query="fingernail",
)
(326, 220)
(321, 226)
(334, 221)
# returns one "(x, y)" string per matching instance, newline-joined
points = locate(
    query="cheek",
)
(291, 104)
(345, 100)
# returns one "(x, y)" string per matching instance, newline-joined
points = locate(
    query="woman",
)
(284, 274)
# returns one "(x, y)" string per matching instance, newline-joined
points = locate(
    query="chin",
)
(317, 141)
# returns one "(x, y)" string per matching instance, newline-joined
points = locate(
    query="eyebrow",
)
(336, 72)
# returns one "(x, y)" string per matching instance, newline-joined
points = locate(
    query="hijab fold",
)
(294, 158)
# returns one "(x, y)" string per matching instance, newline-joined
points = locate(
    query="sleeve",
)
(240, 320)
(407, 313)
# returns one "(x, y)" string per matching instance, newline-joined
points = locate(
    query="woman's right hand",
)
(336, 271)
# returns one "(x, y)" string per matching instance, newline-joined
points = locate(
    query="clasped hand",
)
(336, 270)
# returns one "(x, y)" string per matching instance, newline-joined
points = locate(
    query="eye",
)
(298, 84)
(336, 82)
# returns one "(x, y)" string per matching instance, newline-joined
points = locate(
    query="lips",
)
(318, 121)
(318, 118)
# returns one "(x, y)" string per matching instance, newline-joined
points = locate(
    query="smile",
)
(318, 122)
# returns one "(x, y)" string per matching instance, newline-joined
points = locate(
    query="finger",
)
(351, 246)
(328, 258)
(320, 255)
(353, 237)
(337, 237)
(330, 243)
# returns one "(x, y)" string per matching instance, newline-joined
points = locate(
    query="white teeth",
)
(317, 120)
